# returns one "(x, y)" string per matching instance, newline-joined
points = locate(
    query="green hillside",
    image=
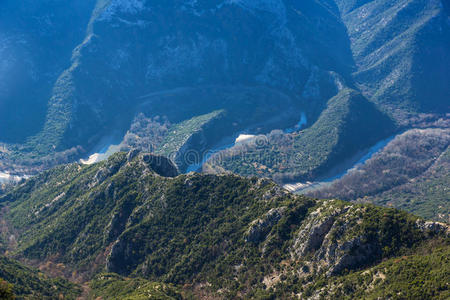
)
(422, 275)
(428, 196)
(112, 286)
(223, 236)
(27, 283)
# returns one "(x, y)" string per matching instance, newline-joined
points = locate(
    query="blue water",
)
(369, 154)
(377, 147)
(197, 166)
(108, 145)
(303, 122)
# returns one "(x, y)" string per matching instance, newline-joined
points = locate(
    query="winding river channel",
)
(228, 142)
(340, 171)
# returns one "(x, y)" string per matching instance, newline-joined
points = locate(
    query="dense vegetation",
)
(146, 134)
(112, 286)
(226, 236)
(420, 275)
(180, 133)
(427, 195)
(411, 173)
(350, 123)
(27, 283)
(196, 211)
(6, 291)
(188, 132)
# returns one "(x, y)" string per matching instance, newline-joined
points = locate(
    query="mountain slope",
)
(397, 277)
(427, 195)
(113, 286)
(36, 46)
(28, 283)
(216, 235)
(401, 52)
(177, 49)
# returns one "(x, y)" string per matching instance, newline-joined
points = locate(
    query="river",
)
(229, 142)
(109, 146)
(340, 171)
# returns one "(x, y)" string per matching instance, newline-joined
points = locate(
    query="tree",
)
(6, 290)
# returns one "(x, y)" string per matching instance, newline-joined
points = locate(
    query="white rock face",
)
(5, 177)
(244, 137)
(260, 228)
(326, 235)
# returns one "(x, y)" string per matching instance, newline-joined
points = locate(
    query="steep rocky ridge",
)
(227, 232)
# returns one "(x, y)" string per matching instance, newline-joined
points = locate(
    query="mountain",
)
(400, 51)
(223, 236)
(264, 64)
(178, 41)
(36, 46)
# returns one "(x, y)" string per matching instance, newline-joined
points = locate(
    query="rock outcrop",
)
(433, 228)
(339, 236)
(260, 228)
(161, 165)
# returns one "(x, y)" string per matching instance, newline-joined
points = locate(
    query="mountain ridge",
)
(120, 216)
